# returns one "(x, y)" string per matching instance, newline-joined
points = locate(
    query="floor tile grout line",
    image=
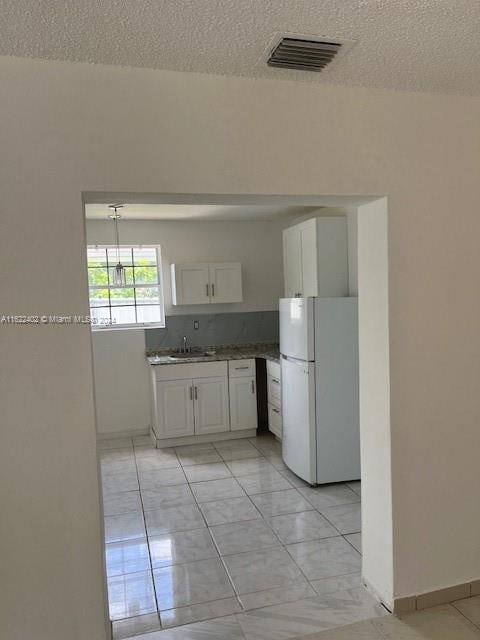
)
(157, 610)
(353, 546)
(219, 555)
(464, 615)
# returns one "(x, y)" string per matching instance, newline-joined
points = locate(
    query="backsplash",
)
(216, 329)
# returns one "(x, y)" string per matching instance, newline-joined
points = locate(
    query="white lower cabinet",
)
(210, 401)
(243, 403)
(274, 399)
(175, 408)
(275, 421)
(191, 399)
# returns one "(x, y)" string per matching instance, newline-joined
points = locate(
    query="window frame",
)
(130, 325)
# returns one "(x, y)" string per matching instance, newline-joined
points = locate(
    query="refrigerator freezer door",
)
(298, 416)
(297, 328)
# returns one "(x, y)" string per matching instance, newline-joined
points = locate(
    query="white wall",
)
(377, 525)
(122, 382)
(69, 128)
(352, 230)
(256, 244)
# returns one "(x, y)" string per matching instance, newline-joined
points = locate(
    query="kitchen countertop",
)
(213, 354)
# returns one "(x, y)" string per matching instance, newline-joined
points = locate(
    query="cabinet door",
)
(175, 408)
(308, 243)
(332, 251)
(243, 403)
(292, 262)
(273, 390)
(275, 420)
(211, 405)
(225, 282)
(190, 283)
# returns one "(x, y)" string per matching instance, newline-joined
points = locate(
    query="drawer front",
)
(184, 371)
(273, 369)
(241, 368)
(275, 420)
(274, 391)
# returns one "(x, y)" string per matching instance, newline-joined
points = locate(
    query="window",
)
(138, 303)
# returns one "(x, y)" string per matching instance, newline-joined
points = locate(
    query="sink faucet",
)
(184, 348)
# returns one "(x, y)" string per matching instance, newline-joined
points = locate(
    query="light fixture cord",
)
(117, 236)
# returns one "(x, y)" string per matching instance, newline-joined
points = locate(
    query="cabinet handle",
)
(276, 381)
(238, 368)
(275, 410)
(253, 386)
(191, 393)
(207, 291)
(196, 393)
(213, 290)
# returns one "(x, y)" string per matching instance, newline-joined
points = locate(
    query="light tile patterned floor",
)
(224, 533)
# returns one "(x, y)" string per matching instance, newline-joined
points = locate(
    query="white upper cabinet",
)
(315, 258)
(225, 282)
(190, 283)
(206, 283)
(292, 261)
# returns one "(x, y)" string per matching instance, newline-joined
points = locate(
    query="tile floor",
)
(224, 533)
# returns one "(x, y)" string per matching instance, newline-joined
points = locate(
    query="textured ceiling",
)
(422, 45)
(199, 212)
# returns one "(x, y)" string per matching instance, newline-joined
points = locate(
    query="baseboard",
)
(408, 604)
(388, 605)
(162, 443)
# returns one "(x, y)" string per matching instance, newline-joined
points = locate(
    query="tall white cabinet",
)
(315, 258)
(206, 283)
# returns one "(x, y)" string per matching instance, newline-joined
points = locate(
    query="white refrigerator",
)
(319, 365)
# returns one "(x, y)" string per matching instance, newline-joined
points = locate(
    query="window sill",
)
(123, 327)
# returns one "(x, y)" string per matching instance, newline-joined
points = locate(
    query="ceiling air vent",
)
(306, 55)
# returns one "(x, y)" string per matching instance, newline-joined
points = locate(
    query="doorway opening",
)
(205, 517)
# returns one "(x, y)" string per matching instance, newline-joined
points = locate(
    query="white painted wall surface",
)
(352, 231)
(373, 343)
(122, 382)
(256, 244)
(68, 128)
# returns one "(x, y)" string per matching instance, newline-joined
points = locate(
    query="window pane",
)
(100, 316)
(128, 275)
(147, 295)
(139, 301)
(99, 298)
(123, 315)
(148, 313)
(97, 257)
(97, 276)
(144, 256)
(125, 255)
(146, 275)
(121, 296)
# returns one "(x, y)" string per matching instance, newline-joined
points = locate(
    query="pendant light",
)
(118, 276)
